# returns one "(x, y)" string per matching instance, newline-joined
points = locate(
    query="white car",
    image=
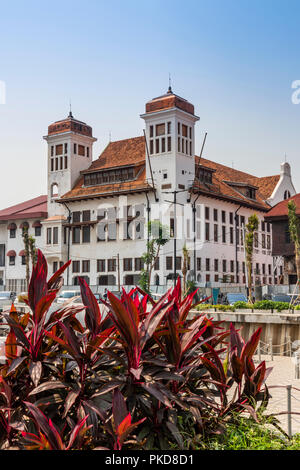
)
(66, 295)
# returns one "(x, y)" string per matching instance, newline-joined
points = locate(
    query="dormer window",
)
(246, 189)
(109, 176)
(204, 175)
(160, 138)
(251, 193)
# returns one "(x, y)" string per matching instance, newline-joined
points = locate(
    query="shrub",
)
(264, 305)
(242, 305)
(247, 434)
(130, 379)
(271, 305)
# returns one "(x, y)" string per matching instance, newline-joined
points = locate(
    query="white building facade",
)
(98, 210)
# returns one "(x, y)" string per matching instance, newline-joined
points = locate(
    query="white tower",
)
(70, 151)
(170, 122)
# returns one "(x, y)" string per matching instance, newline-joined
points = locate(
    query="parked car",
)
(66, 295)
(277, 297)
(231, 298)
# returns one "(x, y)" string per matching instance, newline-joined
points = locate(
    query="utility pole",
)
(118, 268)
(175, 192)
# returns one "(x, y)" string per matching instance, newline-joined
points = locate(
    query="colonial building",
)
(283, 247)
(13, 221)
(98, 209)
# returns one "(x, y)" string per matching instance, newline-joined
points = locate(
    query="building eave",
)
(231, 199)
(103, 195)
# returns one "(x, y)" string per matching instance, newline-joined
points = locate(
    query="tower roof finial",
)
(170, 85)
(70, 113)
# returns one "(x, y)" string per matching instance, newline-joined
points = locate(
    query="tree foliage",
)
(251, 228)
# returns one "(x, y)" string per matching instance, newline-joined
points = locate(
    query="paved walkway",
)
(283, 374)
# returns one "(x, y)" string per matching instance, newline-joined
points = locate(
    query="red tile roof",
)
(132, 152)
(168, 101)
(120, 153)
(281, 209)
(70, 124)
(223, 175)
(34, 208)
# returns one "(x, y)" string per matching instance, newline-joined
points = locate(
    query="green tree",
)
(30, 252)
(294, 229)
(251, 228)
(158, 237)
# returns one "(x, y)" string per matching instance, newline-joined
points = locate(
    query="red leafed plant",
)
(135, 373)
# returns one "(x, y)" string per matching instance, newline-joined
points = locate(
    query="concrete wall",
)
(275, 326)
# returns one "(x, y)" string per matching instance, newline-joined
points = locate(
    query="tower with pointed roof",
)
(170, 135)
(70, 151)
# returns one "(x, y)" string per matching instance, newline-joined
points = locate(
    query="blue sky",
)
(234, 60)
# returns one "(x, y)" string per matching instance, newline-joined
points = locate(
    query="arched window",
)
(54, 190)
(287, 194)
(109, 280)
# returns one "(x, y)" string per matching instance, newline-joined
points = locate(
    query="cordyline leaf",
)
(36, 442)
(43, 306)
(131, 308)
(176, 294)
(35, 372)
(136, 372)
(249, 366)
(11, 346)
(124, 425)
(176, 433)
(13, 312)
(111, 385)
(189, 338)
(38, 282)
(70, 400)
(92, 312)
(124, 322)
(152, 320)
(235, 340)
(237, 367)
(98, 341)
(19, 332)
(46, 426)
(186, 305)
(63, 343)
(214, 371)
(250, 347)
(51, 385)
(5, 390)
(157, 393)
(15, 364)
(126, 428)
(24, 320)
(145, 294)
(72, 345)
(54, 281)
(119, 408)
(78, 431)
(217, 363)
(64, 313)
